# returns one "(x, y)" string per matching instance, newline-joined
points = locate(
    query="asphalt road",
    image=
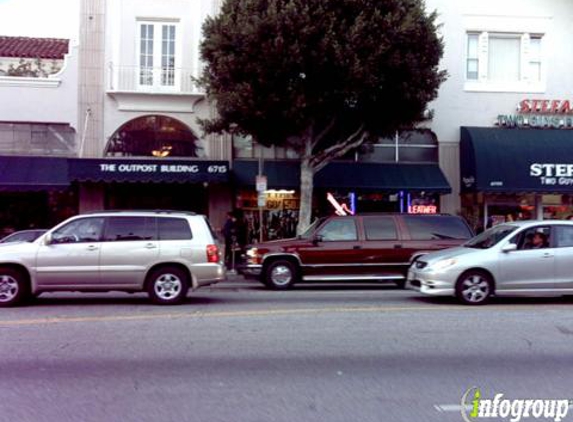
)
(237, 352)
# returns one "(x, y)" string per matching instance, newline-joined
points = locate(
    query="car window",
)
(80, 230)
(20, 237)
(537, 237)
(564, 236)
(339, 229)
(119, 229)
(380, 228)
(436, 227)
(173, 229)
(491, 236)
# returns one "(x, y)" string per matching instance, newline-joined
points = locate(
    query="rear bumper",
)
(207, 274)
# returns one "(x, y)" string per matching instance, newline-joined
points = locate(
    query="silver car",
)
(162, 253)
(532, 258)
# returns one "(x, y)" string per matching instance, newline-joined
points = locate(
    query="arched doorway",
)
(153, 136)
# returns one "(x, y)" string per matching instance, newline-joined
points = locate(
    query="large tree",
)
(320, 76)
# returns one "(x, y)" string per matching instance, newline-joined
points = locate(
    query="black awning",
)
(516, 160)
(348, 175)
(152, 171)
(383, 177)
(19, 173)
(280, 174)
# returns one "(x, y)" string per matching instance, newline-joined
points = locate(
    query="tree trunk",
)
(306, 188)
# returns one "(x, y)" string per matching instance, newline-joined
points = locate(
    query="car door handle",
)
(397, 246)
(92, 248)
(547, 255)
(357, 247)
(150, 246)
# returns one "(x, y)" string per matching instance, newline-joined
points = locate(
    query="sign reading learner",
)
(114, 170)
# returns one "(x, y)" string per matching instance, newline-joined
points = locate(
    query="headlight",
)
(442, 265)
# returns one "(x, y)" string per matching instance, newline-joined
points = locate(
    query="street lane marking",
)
(458, 407)
(452, 407)
(260, 313)
(224, 314)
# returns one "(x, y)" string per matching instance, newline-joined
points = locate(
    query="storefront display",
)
(516, 174)
(280, 214)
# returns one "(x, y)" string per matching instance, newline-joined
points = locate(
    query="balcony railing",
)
(153, 80)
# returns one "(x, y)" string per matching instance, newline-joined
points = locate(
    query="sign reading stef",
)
(114, 170)
(539, 113)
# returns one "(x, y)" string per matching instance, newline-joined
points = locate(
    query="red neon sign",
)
(422, 209)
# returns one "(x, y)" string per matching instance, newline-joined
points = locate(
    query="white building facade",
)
(506, 106)
(38, 127)
(140, 105)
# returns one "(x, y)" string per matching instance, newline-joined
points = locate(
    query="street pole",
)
(259, 193)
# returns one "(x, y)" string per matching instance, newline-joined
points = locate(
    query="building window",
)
(535, 58)
(153, 136)
(473, 59)
(504, 62)
(157, 54)
(414, 146)
(503, 59)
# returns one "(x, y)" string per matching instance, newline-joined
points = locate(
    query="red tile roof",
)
(40, 48)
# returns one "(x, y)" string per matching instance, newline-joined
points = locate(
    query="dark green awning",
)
(348, 175)
(516, 160)
(21, 173)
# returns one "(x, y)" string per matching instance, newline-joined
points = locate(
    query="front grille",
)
(420, 264)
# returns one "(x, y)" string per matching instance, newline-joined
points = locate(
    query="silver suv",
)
(161, 252)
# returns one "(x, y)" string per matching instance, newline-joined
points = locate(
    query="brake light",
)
(254, 256)
(213, 254)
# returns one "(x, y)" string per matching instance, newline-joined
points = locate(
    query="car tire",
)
(167, 285)
(474, 287)
(280, 274)
(14, 287)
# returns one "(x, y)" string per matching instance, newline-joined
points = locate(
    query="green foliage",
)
(284, 70)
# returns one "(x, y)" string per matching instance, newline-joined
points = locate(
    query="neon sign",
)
(422, 209)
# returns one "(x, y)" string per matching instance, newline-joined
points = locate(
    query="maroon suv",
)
(359, 247)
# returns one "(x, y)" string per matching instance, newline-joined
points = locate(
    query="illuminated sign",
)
(422, 209)
(339, 209)
(539, 113)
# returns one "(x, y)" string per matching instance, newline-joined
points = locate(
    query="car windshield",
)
(490, 237)
(307, 234)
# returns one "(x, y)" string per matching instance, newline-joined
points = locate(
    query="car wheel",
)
(167, 285)
(14, 287)
(474, 288)
(280, 275)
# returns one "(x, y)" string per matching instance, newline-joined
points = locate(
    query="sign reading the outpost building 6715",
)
(141, 170)
(555, 114)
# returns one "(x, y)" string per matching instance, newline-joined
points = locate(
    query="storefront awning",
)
(18, 173)
(280, 174)
(348, 175)
(138, 170)
(516, 160)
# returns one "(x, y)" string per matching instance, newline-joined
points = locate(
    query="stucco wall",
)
(456, 106)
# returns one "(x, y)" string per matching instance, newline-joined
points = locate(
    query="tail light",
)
(253, 256)
(213, 254)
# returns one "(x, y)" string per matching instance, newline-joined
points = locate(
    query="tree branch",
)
(324, 132)
(353, 141)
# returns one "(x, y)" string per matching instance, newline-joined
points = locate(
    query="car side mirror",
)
(316, 239)
(510, 247)
(48, 240)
